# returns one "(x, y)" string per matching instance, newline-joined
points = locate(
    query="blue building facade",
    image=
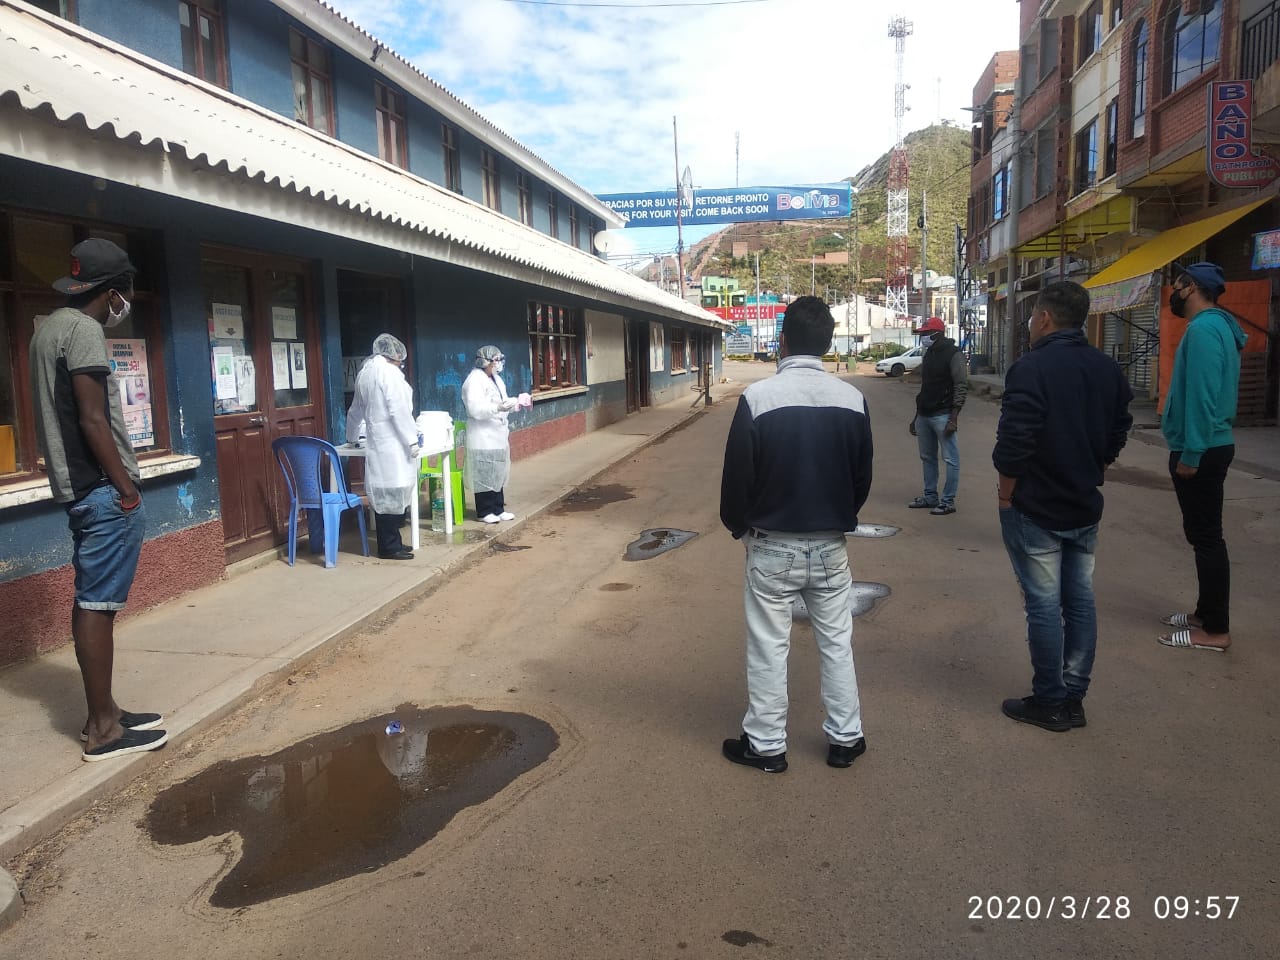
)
(288, 192)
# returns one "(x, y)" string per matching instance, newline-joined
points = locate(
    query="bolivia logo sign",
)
(1231, 159)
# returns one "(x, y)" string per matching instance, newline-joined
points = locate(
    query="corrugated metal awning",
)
(175, 134)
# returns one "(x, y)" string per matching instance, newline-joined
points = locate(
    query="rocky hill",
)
(940, 157)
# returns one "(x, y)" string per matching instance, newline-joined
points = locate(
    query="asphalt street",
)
(958, 834)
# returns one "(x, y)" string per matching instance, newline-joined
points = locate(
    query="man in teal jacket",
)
(1198, 413)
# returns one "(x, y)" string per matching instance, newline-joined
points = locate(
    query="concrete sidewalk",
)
(199, 657)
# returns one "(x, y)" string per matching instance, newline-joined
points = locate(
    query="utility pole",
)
(898, 268)
(924, 243)
(675, 141)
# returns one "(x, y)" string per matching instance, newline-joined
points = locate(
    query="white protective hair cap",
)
(487, 354)
(390, 347)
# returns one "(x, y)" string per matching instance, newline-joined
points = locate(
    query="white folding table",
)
(347, 450)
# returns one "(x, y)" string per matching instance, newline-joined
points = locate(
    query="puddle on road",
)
(865, 596)
(873, 530)
(615, 587)
(1137, 477)
(350, 801)
(587, 499)
(650, 543)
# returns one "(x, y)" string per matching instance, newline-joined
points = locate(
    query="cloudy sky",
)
(805, 85)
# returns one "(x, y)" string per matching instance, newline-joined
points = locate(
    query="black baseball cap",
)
(93, 263)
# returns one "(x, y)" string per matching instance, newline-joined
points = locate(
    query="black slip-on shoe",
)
(133, 741)
(920, 503)
(1028, 710)
(943, 510)
(1075, 711)
(739, 751)
(843, 754)
(133, 721)
(405, 554)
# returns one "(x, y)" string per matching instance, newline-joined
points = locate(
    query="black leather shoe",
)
(739, 751)
(1028, 710)
(1075, 711)
(405, 554)
(843, 754)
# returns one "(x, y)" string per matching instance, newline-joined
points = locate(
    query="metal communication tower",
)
(898, 267)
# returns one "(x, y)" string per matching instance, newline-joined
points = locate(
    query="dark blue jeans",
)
(1200, 498)
(1055, 570)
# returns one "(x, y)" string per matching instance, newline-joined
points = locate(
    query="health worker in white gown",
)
(488, 449)
(384, 404)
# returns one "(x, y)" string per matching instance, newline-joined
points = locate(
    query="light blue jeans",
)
(780, 567)
(929, 436)
(1055, 570)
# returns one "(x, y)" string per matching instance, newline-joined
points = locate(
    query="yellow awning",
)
(1160, 251)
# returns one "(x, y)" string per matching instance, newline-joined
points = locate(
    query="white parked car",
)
(897, 366)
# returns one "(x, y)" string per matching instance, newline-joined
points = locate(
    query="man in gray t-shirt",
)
(94, 473)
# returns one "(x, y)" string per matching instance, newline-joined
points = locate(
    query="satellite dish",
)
(604, 241)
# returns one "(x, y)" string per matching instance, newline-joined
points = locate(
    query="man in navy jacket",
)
(1064, 417)
(797, 469)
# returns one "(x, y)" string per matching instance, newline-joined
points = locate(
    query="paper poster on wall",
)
(298, 365)
(227, 322)
(224, 374)
(128, 360)
(246, 382)
(280, 366)
(284, 323)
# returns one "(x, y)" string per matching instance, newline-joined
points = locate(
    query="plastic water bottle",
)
(437, 507)
(394, 727)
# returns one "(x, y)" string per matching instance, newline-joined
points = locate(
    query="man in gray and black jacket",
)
(797, 469)
(944, 383)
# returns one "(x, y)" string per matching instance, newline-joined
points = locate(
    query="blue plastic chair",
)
(302, 460)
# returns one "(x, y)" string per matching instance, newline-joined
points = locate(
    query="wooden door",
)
(264, 364)
(629, 353)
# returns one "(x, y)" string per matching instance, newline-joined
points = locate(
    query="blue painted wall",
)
(148, 26)
(258, 55)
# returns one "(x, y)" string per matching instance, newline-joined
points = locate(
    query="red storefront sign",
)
(1231, 159)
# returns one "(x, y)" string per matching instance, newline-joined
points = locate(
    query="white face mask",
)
(114, 319)
(499, 366)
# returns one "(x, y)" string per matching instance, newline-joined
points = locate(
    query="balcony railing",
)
(1260, 42)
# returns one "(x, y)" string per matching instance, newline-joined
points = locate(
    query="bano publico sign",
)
(1231, 159)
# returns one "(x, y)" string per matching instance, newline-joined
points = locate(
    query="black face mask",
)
(1178, 303)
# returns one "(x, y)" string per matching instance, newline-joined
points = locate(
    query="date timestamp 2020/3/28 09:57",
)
(1101, 907)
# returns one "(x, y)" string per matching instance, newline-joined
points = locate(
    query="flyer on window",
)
(227, 322)
(284, 323)
(298, 365)
(280, 366)
(224, 373)
(128, 360)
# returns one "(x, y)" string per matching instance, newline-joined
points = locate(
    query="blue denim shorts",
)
(107, 544)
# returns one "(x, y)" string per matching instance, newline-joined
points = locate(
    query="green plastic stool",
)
(434, 474)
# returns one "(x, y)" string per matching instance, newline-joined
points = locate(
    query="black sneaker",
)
(133, 721)
(843, 754)
(739, 751)
(942, 510)
(133, 741)
(920, 503)
(1028, 710)
(1075, 711)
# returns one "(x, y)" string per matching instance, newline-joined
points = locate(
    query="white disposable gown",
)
(488, 449)
(384, 401)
